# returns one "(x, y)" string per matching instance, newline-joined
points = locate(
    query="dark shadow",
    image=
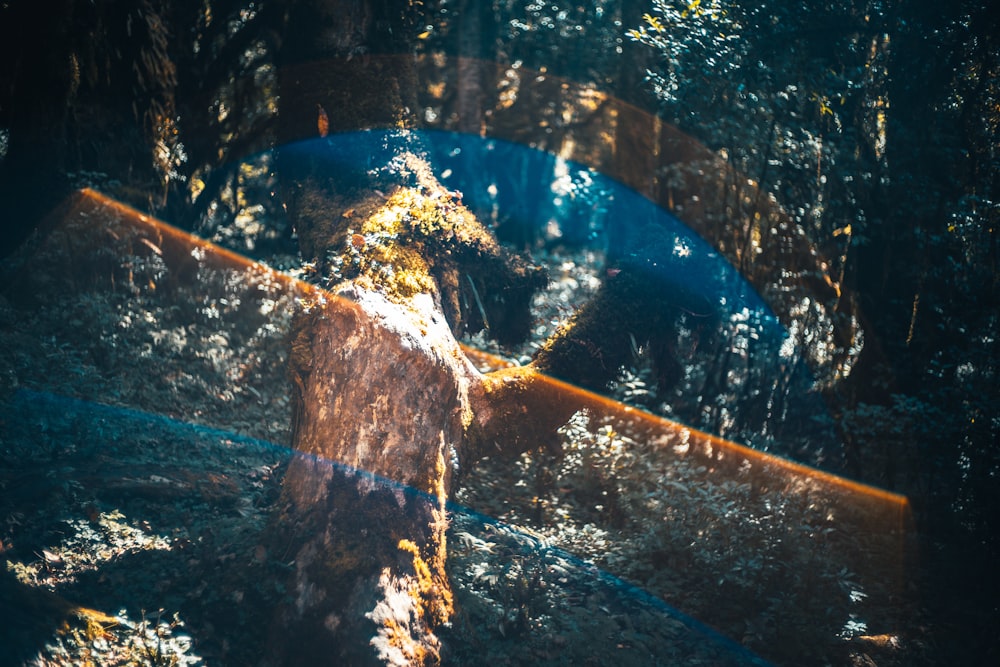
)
(30, 615)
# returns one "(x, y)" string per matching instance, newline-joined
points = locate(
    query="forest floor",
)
(142, 448)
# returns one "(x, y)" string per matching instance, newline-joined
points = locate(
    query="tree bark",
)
(381, 384)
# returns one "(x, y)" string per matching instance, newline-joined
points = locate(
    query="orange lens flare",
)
(723, 455)
(725, 501)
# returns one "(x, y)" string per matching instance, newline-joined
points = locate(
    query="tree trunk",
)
(381, 383)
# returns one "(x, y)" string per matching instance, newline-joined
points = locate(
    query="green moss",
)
(421, 239)
(388, 251)
(418, 238)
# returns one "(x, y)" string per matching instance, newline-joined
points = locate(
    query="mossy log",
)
(380, 381)
(382, 385)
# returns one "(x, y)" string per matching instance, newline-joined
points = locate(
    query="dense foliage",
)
(875, 124)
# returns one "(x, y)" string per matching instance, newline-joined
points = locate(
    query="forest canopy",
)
(852, 179)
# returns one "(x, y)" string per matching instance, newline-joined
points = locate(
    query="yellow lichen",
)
(432, 595)
(388, 251)
(414, 652)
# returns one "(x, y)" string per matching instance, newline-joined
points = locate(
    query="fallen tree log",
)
(382, 385)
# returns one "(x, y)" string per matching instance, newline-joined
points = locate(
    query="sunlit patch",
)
(853, 628)
(88, 545)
